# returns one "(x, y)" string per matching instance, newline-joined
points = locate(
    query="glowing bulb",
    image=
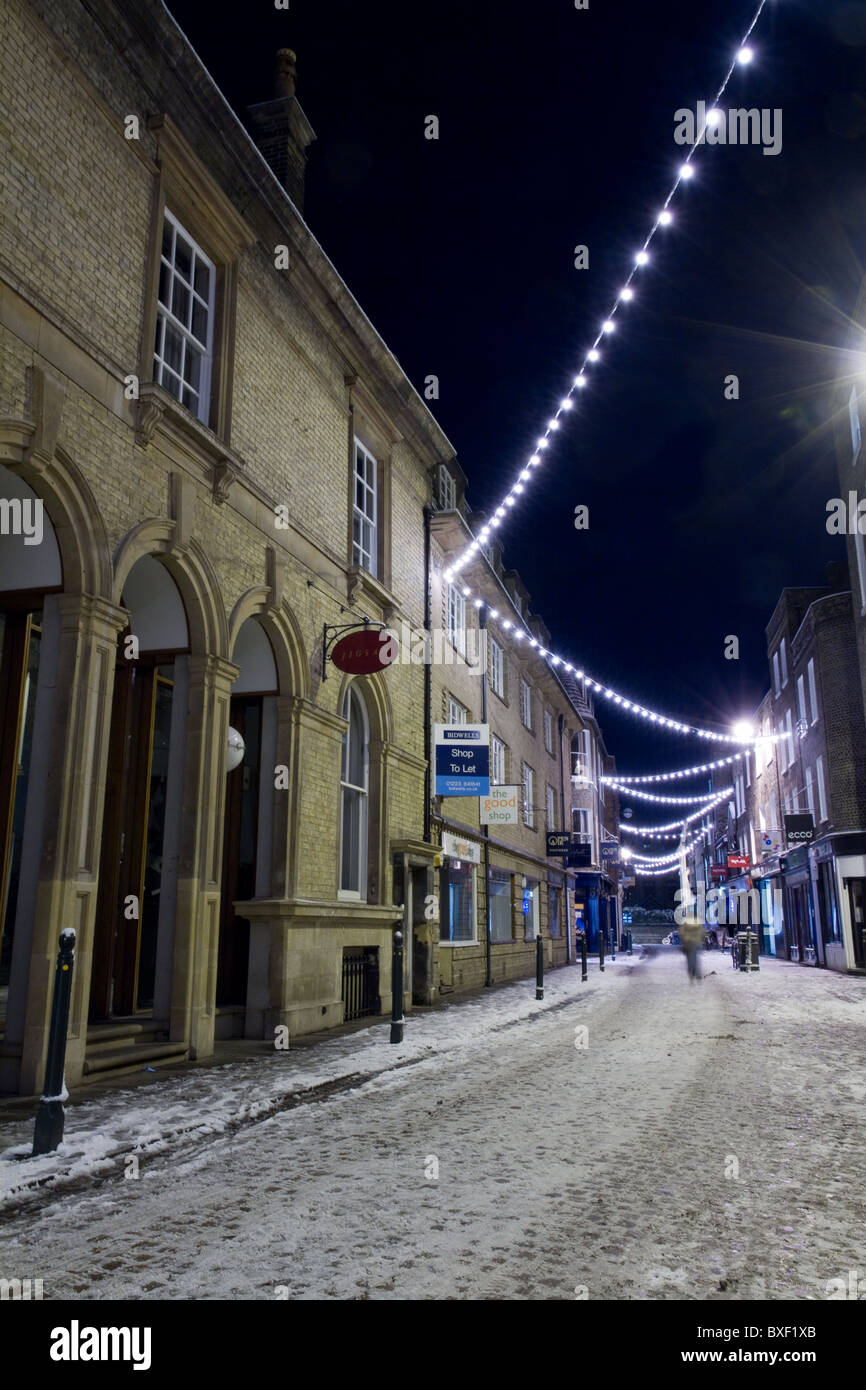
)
(553, 424)
(744, 731)
(607, 326)
(566, 404)
(580, 380)
(714, 116)
(665, 218)
(509, 501)
(542, 443)
(593, 355)
(626, 293)
(745, 54)
(687, 172)
(641, 258)
(524, 477)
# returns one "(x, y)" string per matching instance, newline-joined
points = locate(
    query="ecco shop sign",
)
(500, 807)
(799, 830)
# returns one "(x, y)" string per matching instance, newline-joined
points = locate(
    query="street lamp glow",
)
(744, 730)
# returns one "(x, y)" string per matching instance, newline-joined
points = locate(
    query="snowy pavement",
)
(697, 1142)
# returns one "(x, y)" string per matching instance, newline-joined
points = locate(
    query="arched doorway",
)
(248, 830)
(30, 569)
(137, 893)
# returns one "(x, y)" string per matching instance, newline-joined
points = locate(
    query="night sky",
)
(556, 128)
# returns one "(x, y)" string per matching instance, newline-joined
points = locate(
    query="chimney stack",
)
(282, 131)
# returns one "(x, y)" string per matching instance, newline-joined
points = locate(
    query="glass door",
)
(20, 637)
(857, 904)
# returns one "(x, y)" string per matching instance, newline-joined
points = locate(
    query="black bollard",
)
(613, 943)
(583, 962)
(628, 941)
(50, 1116)
(397, 988)
(539, 968)
(601, 948)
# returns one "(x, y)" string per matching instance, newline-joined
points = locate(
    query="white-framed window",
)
(747, 763)
(550, 807)
(364, 510)
(548, 731)
(447, 490)
(497, 669)
(813, 693)
(457, 713)
(581, 824)
(754, 858)
(810, 805)
(501, 917)
(768, 746)
(802, 712)
(497, 759)
(183, 346)
(525, 704)
(822, 794)
(455, 617)
(553, 896)
(776, 686)
(739, 794)
(789, 737)
(783, 658)
(354, 799)
(531, 893)
(854, 419)
(528, 778)
(457, 896)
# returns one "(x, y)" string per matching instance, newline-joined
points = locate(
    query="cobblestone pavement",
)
(706, 1143)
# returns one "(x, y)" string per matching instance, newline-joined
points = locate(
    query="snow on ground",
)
(497, 1160)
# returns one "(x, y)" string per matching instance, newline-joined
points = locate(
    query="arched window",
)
(354, 797)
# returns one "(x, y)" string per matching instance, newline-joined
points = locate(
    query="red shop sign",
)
(362, 653)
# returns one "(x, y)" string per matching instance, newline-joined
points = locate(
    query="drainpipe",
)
(428, 678)
(565, 875)
(485, 829)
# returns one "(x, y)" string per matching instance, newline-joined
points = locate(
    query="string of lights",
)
(683, 772)
(743, 57)
(673, 857)
(707, 799)
(518, 634)
(661, 831)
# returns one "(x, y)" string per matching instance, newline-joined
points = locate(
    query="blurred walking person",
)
(692, 933)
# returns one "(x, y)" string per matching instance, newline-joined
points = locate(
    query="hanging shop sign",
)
(738, 861)
(771, 841)
(455, 848)
(559, 843)
(580, 856)
(609, 852)
(462, 754)
(501, 807)
(362, 652)
(799, 830)
(718, 871)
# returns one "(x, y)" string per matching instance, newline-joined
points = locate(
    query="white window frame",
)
(584, 824)
(789, 738)
(473, 939)
(360, 893)
(525, 704)
(534, 915)
(777, 688)
(455, 618)
(457, 713)
(447, 490)
(802, 712)
(527, 777)
(365, 518)
(548, 731)
(813, 693)
(497, 668)
(165, 317)
(822, 790)
(783, 657)
(497, 761)
(550, 806)
(502, 876)
(810, 804)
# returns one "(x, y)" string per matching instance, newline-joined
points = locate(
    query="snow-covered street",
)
(699, 1141)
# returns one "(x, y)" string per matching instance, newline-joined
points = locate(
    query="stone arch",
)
(194, 575)
(284, 634)
(378, 704)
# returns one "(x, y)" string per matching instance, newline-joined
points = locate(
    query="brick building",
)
(815, 766)
(210, 463)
